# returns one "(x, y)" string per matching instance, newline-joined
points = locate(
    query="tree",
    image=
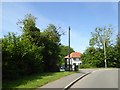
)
(51, 50)
(32, 35)
(111, 56)
(20, 57)
(63, 53)
(92, 57)
(48, 39)
(101, 38)
(100, 45)
(29, 29)
(117, 50)
(32, 52)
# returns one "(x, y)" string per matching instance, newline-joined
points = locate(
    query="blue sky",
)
(82, 17)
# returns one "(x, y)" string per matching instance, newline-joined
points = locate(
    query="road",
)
(62, 82)
(100, 78)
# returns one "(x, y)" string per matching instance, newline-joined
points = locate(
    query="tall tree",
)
(51, 51)
(100, 45)
(29, 29)
(101, 38)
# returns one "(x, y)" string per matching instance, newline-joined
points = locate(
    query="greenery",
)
(37, 52)
(117, 50)
(93, 56)
(63, 53)
(33, 51)
(35, 81)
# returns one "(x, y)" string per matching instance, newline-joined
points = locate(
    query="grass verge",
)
(35, 81)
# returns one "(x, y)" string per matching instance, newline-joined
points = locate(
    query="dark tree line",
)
(32, 52)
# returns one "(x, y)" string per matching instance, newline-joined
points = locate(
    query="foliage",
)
(20, 57)
(32, 52)
(85, 66)
(92, 57)
(64, 52)
(51, 51)
(100, 36)
(34, 81)
(94, 54)
(117, 50)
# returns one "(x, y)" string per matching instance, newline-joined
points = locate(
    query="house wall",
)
(76, 61)
(73, 61)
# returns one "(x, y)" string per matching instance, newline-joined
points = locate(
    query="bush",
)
(86, 66)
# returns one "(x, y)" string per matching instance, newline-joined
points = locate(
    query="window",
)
(77, 59)
(74, 59)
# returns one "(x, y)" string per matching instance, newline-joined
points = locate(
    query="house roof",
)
(74, 55)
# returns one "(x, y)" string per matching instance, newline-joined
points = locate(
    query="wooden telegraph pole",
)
(69, 48)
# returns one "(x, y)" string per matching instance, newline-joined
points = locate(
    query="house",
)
(75, 60)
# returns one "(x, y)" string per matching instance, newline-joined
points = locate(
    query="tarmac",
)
(65, 82)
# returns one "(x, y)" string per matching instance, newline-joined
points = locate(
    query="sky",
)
(82, 17)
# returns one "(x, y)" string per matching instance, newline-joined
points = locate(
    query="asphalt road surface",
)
(100, 78)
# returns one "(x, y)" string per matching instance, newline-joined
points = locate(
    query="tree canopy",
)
(32, 52)
(94, 54)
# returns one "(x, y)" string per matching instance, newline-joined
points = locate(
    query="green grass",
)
(35, 81)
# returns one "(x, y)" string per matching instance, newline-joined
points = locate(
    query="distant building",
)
(75, 60)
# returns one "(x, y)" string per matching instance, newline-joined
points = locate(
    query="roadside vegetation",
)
(32, 52)
(93, 57)
(27, 58)
(34, 81)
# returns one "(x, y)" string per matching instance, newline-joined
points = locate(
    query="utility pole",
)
(69, 47)
(104, 39)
